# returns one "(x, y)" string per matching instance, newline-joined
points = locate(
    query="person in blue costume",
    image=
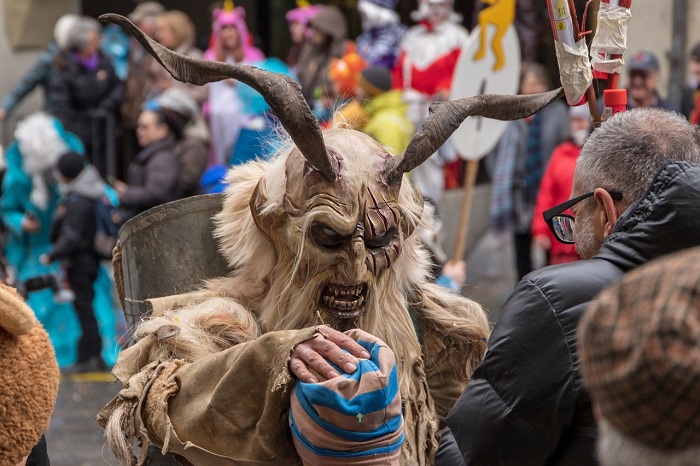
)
(28, 201)
(257, 138)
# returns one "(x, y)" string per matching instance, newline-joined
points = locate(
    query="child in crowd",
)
(72, 234)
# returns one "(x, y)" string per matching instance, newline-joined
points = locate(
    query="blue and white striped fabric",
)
(354, 418)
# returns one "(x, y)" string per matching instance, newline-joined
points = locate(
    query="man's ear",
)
(606, 210)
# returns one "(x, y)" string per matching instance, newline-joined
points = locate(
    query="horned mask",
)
(343, 219)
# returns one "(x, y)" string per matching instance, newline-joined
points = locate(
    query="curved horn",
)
(445, 118)
(281, 92)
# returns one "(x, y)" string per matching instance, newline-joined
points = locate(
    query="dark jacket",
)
(526, 403)
(76, 90)
(74, 225)
(153, 177)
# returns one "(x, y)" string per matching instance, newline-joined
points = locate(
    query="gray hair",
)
(80, 33)
(627, 151)
(617, 449)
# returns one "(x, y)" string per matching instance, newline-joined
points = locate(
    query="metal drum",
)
(169, 250)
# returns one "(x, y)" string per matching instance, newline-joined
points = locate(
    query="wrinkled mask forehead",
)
(362, 163)
(358, 206)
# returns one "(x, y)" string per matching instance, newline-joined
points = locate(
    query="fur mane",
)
(262, 281)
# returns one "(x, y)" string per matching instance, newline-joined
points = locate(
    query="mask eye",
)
(381, 240)
(326, 237)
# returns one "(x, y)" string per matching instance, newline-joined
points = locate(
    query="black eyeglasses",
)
(562, 225)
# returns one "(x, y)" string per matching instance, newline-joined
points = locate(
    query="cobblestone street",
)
(74, 437)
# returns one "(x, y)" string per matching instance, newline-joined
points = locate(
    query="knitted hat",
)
(353, 418)
(640, 353)
(70, 165)
(375, 80)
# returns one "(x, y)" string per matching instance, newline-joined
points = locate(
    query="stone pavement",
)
(74, 438)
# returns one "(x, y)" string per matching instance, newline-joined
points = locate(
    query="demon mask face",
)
(343, 232)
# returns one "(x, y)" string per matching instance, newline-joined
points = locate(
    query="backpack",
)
(106, 230)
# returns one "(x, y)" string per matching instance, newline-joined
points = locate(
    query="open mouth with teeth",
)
(344, 301)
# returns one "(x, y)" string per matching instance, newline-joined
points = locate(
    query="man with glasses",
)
(635, 197)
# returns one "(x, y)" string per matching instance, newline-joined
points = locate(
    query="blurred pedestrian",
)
(298, 20)
(382, 32)
(154, 174)
(138, 87)
(231, 44)
(556, 184)
(174, 30)
(329, 39)
(39, 75)
(73, 236)
(427, 60)
(691, 95)
(192, 148)
(518, 164)
(84, 81)
(643, 73)
(640, 357)
(385, 110)
(29, 199)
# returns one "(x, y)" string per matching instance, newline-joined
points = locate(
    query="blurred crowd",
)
(118, 135)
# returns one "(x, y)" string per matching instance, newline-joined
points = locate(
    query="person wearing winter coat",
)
(137, 86)
(382, 32)
(73, 236)
(154, 174)
(29, 199)
(192, 148)
(40, 74)
(175, 30)
(298, 21)
(634, 198)
(518, 164)
(555, 187)
(385, 109)
(83, 80)
(329, 40)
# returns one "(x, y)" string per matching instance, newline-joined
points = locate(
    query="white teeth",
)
(344, 298)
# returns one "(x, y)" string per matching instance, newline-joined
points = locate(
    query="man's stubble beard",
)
(586, 244)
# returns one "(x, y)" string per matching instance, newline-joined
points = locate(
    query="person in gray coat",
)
(518, 164)
(153, 176)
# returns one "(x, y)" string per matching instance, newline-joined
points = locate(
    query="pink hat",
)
(235, 17)
(303, 14)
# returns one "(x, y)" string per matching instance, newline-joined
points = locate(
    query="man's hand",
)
(45, 259)
(120, 187)
(312, 354)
